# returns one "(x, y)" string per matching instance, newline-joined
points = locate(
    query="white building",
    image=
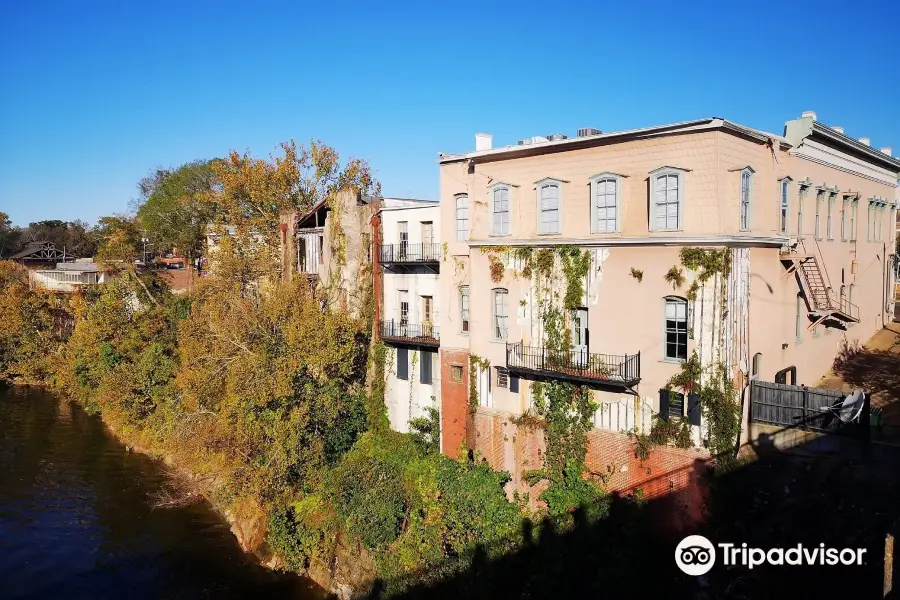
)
(68, 277)
(410, 252)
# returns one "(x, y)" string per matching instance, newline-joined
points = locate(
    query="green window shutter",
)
(402, 363)
(425, 362)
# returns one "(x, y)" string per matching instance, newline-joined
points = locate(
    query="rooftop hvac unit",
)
(555, 137)
(588, 131)
(525, 142)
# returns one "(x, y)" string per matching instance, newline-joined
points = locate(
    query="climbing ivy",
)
(476, 363)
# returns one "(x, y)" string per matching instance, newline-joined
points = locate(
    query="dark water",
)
(76, 519)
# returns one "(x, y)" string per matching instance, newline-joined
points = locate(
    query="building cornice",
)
(615, 137)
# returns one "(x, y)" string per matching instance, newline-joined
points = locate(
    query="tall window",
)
(785, 206)
(870, 222)
(667, 193)
(462, 218)
(500, 314)
(403, 227)
(605, 203)
(745, 199)
(548, 207)
(820, 196)
(427, 232)
(427, 307)
(798, 322)
(854, 205)
(500, 210)
(845, 207)
(828, 230)
(464, 308)
(676, 328)
(800, 199)
(404, 308)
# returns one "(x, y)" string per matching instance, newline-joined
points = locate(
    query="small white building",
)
(410, 252)
(68, 277)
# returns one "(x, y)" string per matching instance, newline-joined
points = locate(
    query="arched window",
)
(676, 328)
(462, 217)
(549, 202)
(605, 202)
(746, 189)
(500, 210)
(666, 199)
(756, 366)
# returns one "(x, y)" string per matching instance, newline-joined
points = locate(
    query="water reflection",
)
(75, 521)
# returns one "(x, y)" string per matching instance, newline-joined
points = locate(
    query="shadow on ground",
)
(781, 499)
(878, 372)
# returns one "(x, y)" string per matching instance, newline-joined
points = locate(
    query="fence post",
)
(805, 407)
(865, 423)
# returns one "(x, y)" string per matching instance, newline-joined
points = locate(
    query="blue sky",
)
(95, 94)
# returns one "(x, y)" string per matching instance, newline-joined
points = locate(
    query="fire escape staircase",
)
(821, 300)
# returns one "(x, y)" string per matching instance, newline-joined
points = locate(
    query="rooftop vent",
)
(887, 150)
(865, 141)
(538, 139)
(838, 128)
(588, 131)
(483, 141)
(809, 113)
(525, 142)
(555, 137)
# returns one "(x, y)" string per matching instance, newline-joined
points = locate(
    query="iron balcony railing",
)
(413, 333)
(409, 253)
(582, 366)
(843, 304)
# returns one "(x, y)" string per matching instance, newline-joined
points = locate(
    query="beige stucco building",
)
(805, 217)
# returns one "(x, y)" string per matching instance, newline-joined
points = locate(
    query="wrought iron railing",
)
(409, 253)
(423, 333)
(583, 365)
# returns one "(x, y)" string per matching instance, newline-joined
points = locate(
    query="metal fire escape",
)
(820, 298)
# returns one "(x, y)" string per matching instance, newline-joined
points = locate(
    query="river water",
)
(76, 519)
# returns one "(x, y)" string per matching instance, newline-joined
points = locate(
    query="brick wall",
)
(454, 400)
(672, 474)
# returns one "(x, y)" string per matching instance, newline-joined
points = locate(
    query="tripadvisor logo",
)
(696, 555)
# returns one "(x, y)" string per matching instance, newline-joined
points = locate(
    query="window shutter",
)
(664, 405)
(402, 363)
(425, 363)
(694, 409)
(513, 384)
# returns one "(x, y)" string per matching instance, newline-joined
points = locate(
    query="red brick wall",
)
(454, 400)
(671, 473)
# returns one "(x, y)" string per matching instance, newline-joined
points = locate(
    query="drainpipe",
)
(377, 281)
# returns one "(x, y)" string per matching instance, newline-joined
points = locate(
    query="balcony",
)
(620, 372)
(409, 254)
(414, 334)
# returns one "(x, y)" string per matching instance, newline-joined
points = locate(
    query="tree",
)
(255, 192)
(73, 236)
(9, 235)
(177, 206)
(118, 239)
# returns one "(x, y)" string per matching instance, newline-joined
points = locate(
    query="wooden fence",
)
(803, 407)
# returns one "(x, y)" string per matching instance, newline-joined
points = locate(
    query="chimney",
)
(483, 141)
(809, 113)
(887, 150)
(865, 141)
(838, 128)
